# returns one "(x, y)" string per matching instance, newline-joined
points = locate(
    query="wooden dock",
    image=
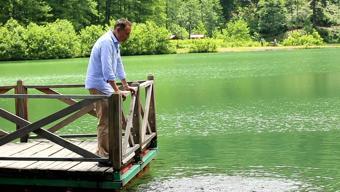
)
(42, 158)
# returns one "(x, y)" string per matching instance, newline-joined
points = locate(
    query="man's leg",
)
(102, 127)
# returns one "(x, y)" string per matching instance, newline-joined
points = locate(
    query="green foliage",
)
(237, 31)
(25, 11)
(325, 13)
(88, 36)
(299, 14)
(12, 45)
(54, 40)
(272, 17)
(301, 38)
(179, 31)
(250, 15)
(194, 15)
(200, 29)
(330, 34)
(331, 14)
(203, 46)
(211, 15)
(148, 38)
(236, 34)
(79, 13)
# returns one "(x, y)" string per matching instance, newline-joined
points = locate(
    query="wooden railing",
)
(129, 134)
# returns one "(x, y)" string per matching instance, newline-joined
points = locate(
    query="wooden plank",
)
(115, 130)
(42, 122)
(21, 109)
(146, 114)
(129, 125)
(62, 142)
(130, 150)
(3, 133)
(37, 96)
(148, 139)
(152, 115)
(97, 168)
(11, 150)
(67, 101)
(50, 136)
(68, 165)
(45, 153)
(84, 166)
(5, 90)
(145, 84)
(137, 118)
(31, 152)
(7, 87)
(55, 151)
(71, 118)
(61, 153)
(55, 86)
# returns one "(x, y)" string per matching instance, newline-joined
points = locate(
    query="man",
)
(104, 67)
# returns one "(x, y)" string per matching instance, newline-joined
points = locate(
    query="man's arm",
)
(113, 85)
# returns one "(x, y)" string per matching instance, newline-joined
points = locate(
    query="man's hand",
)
(131, 89)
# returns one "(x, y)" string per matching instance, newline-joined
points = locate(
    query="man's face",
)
(124, 34)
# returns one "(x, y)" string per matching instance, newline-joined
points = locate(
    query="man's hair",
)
(122, 23)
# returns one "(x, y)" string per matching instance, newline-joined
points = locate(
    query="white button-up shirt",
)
(105, 64)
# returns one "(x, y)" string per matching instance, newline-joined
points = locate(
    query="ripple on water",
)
(257, 117)
(221, 183)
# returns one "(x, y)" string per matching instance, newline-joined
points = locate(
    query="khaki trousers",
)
(101, 107)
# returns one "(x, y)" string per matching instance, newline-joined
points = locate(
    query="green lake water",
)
(247, 121)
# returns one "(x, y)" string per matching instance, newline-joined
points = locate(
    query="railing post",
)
(21, 106)
(137, 121)
(152, 111)
(115, 130)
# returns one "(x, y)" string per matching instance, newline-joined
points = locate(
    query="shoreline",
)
(264, 48)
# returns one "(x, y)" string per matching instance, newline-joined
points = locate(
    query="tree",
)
(272, 17)
(299, 14)
(81, 13)
(211, 13)
(136, 11)
(248, 13)
(325, 12)
(189, 14)
(25, 11)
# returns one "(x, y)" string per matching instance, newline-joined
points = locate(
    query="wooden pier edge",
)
(117, 181)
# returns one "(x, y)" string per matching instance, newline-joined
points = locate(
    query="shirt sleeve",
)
(106, 60)
(120, 69)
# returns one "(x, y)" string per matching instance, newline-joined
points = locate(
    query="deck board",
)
(46, 153)
(13, 150)
(32, 152)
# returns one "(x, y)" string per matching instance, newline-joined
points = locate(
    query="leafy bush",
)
(54, 40)
(296, 38)
(203, 45)
(88, 36)
(236, 34)
(148, 38)
(12, 44)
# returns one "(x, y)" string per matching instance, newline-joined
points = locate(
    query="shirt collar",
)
(114, 38)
